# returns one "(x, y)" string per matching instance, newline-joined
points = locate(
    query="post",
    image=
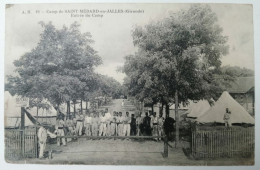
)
(177, 119)
(165, 139)
(22, 118)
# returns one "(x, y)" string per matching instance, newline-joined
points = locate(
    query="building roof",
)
(216, 112)
(242, 85)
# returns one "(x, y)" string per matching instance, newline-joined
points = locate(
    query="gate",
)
(21, 144)
(223, 143)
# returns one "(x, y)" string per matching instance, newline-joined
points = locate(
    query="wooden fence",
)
(21, 143)
(223, 143)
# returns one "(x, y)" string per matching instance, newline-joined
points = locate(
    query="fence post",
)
(165, 154)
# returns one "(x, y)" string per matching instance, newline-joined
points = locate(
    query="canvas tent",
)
(198, 109)
(216, 112)
(12, 113)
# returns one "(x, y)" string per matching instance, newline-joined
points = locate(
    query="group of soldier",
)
(104, 123)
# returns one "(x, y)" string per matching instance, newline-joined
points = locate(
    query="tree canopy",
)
(60, 68)
(177, 57)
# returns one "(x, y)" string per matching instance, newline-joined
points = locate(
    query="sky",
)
(112, 32)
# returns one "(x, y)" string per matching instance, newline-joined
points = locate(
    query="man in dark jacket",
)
(147, 125)
(133, 125)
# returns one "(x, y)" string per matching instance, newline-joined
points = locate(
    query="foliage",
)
(60, 68)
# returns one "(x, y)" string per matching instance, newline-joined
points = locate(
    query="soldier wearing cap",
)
(60, 131)
(103, 125)
(79, 125)
(87, 124)
(127, 121)
(120, 124)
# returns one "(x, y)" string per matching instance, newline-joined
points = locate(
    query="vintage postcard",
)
(129, 84)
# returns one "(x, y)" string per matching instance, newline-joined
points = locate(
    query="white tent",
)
(12, 113)
(216, 112)
(198, 109)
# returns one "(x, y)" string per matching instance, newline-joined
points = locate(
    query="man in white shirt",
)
(87, 124)
(42, 136)
(108, 117)
(127, 121)
(103, 125)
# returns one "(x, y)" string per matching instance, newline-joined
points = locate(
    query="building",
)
(243, 91)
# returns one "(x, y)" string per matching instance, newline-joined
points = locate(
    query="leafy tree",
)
(60, 68)
(178, 56)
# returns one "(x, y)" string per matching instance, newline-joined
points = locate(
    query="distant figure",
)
(133, 125)
(227, 118)
(168, 126)
(147, 125)
(123, 103)
(139, 124)
(42, 136)
(154, 125)
(103, 125)
(113, 125)
(87, 124)
(160, 125)
(60, 131)
(79, 125)
(127, 121)
(120, 124)
(108, 118)
(95, 121)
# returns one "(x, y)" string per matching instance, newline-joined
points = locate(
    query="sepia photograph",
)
(153, 84)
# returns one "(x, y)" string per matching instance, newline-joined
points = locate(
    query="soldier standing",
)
(60, 131)
(87, 124)
(160, 125)
(71, 128)
(108, 122)
(154, 124)
(79, 125)
(127, 121)
(113, 125)
(120, 125)
(95, 121)
(103, 125)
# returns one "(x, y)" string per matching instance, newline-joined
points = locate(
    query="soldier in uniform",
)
(120, 124)
(139, 121)
(154, 125)
(42, 136)
(79, 125)
(71, 128)
(113, 125)
(108, 122)
(127, 121)
(147, 124)
(60, 131)
(95, 121)
(87, 124)
(160, 125)
(103, 125)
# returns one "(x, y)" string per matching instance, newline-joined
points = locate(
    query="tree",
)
(180, 55)
(60, 68)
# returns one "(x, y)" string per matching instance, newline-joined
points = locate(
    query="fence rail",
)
(222, 143)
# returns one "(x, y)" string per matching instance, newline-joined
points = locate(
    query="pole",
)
(165, 155)
(177, 119)
(22, 118)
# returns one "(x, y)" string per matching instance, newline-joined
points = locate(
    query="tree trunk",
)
(81, 109)
(86, 105)
(152, 109)
(167, 109)
(161, 109)
(177, 119)
(68, 109)
(74, 113)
